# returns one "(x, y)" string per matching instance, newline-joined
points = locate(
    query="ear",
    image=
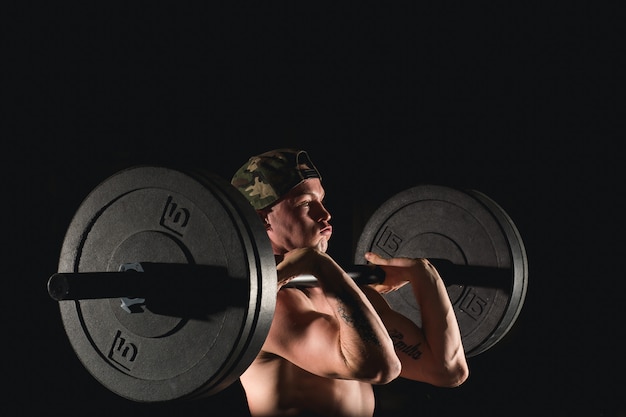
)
(263, 213)
(263, 218)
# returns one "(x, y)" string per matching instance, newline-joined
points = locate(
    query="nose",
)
(324, 214)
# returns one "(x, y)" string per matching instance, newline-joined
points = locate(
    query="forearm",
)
(439, 324)
(363, 338)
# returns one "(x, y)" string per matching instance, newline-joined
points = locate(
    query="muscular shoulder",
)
(377, 300)
(297, 312)
(299, 299)
(292, 304)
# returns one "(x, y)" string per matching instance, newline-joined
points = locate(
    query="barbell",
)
(166, 282)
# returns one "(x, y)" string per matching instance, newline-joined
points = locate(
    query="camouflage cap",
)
(265, 178)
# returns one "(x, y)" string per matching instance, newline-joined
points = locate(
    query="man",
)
(327, 345)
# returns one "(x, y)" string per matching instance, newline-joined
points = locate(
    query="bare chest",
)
(282, 388)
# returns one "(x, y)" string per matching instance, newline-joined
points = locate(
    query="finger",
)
(375, 258)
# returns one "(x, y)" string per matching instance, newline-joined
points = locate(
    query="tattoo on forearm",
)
(411, 350)
(355, 318)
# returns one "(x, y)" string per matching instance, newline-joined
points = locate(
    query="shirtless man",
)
(327, 345)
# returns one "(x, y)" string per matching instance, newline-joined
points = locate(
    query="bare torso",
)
(276, 387)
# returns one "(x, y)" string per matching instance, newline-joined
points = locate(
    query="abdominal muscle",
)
(275, 387)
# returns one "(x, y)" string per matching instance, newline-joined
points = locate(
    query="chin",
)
(322, 245)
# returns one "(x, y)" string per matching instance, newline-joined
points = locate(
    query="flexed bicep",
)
(306, 336)
(321, 339)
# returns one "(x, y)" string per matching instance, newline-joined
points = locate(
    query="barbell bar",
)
(168, 280)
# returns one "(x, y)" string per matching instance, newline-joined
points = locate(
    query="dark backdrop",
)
(519, 102)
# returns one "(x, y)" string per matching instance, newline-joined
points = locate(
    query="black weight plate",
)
(161, 215)
(468, 229)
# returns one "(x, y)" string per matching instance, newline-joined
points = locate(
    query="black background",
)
(520, 102)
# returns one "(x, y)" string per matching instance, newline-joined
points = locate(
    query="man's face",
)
(300, 219)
